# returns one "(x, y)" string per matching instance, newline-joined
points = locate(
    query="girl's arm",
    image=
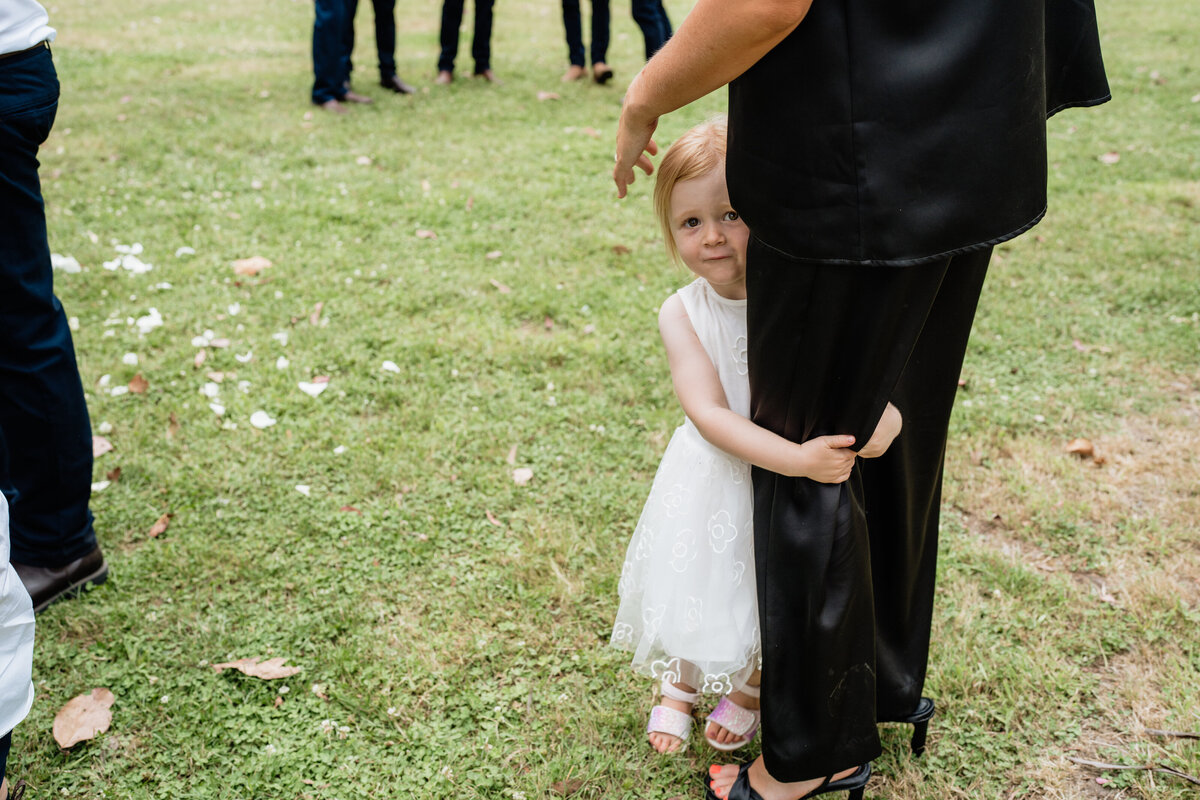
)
(827, 459)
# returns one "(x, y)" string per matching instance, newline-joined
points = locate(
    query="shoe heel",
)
(857, 794)
(919, 719)
(918, 738)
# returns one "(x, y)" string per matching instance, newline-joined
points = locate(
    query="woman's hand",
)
(634, 145)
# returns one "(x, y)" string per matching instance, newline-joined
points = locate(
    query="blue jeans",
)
(331, 63)
(385, 36)
(45, 433)
(481, 40)
(574, 28)
(651, 17)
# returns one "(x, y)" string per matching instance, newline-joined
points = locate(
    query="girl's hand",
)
(885, 433)
(827, 459)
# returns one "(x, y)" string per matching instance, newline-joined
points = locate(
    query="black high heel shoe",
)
(855, 783)
(919, 719)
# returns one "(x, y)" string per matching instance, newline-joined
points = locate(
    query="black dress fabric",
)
(877, 154)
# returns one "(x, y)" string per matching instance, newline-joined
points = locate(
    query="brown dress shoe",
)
(355, 97)
(49, 584)
(396, 85)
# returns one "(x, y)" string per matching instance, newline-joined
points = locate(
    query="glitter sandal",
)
(670, 721)
(737, 720)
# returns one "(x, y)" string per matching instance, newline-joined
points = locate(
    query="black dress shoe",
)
(49, 584)
(396, 85)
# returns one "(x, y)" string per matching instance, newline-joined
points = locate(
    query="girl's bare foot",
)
(573, 73)
(722, 777)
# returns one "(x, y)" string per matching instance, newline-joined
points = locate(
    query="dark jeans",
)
(45, 433)
(651, 17)
(481, 41)
(845, 629)
(574, 28)
(330, 63)
(385, 36)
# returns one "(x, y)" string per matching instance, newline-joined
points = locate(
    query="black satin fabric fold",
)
(896, 132)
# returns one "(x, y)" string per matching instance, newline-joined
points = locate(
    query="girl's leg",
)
(828, 343)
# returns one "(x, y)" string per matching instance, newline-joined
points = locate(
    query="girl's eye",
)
(691, 222)
(731, 216)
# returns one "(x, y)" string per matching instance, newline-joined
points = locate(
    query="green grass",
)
(456, 657)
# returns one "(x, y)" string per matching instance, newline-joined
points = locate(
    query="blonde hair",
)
(697, 152)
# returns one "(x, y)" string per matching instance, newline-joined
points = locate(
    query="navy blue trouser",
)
(481, 40)
(331, 64)
(385, 36)
(45, 433)
(574, 28)
(651, 17)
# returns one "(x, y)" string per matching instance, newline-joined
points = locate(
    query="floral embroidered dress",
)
(688, 609)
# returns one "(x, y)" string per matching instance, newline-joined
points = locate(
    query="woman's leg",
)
(828, 343)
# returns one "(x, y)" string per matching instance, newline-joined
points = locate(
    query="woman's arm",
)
(718, 41)
(827, 459)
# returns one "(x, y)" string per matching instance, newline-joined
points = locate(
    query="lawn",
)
(454, 268)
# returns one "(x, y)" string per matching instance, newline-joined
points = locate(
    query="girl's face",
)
(709, 234)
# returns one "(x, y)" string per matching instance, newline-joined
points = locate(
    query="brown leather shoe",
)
(355, 97)
(49, 584)
(396, 85)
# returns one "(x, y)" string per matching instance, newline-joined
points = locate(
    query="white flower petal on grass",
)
(261, 419)
(341, 448)
(66, 264)
(211, 390)
(105, 427)
(130, 359)
(281, 363)
(390, 366)
(303, 489)
(100, 486)
(245, 359)
(281, 337)
(150, 321)
(104, 379)
(522, 475)
(217, 409)
(243, 386)
(163, 286)
(185, 251)
(312, 389)
(234, 309)
(117, 391)
(199, 341)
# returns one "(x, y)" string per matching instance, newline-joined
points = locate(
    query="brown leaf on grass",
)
(548, 323)
(423, 233)
(222, 342)
(114, 474)
(159, 527)
(350, 509)
(500, 287)
(492, 519)
(320, 379)
(470, 203)
(493, 254)
(544, 96)
(1109, 158)
(172, 425)
(315, 317)
(621, 250)
(138, 384)
(270, 669)
(566, 787)
(100, 446)
(278, 700)
(1081, 447)
(214, 376)
(83, 717)
(201, 356)
(511, 458)
(250, 266)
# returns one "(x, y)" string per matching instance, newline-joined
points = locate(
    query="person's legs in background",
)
(330, 58)
(573, 27)
(600, 33)
(43, 415)
(452, 13)
(651, 17)
(481, 41)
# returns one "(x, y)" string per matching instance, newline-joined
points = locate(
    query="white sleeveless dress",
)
(688, 609)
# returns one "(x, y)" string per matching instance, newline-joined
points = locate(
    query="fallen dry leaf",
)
(566, 787)
(511, 458)
(422, 233)
(250, 266)
(1110, 158)
(549, 323)
(492, 519)
(493, 254)
(201, 356)
(159, 527)
(83, 717)
(315, 317)
(1081, 447)
(138, 384)
(544, 96)
(590, 131)
(100, 446)
(621, 250)
(113, 475)
(500, 287)
(350, 509)
(522, 475)
(268, 670)
(172, 425)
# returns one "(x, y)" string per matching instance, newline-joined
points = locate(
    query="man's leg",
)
(903, 491)
(481, 43)
(43, 416)
(646, 15)
(828, 342)
(350, 11)
(600, 32)
(573, 27)
(330, 60)
(385, 37)
(452, 13)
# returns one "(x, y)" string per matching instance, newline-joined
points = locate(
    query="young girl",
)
(688, 608)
